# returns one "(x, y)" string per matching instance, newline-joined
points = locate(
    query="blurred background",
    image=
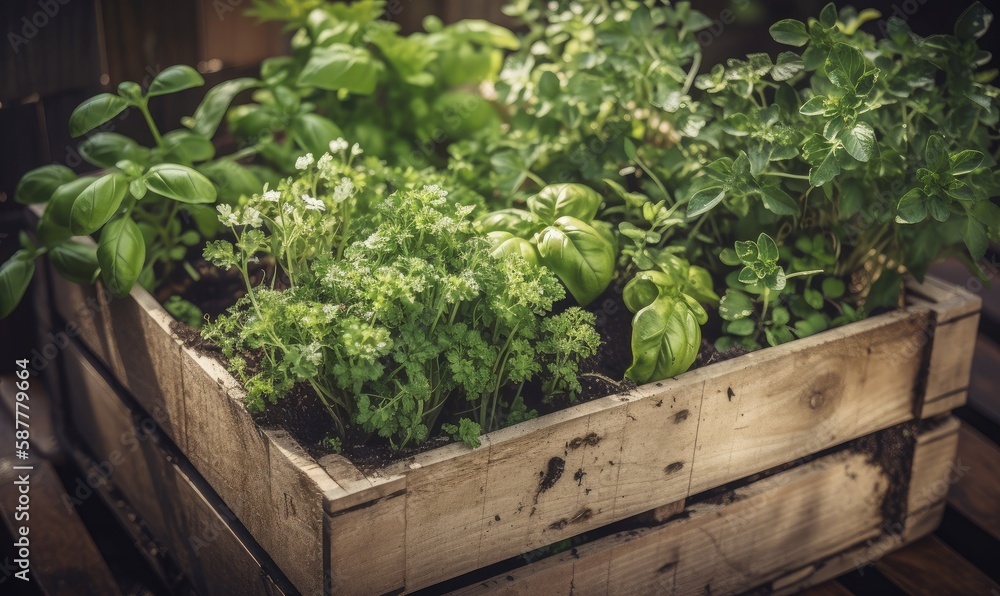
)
(57, 53)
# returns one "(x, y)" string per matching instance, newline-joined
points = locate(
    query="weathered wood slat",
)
(929, 567)
(64, 558)
(830, 588)
(758, 535)
(975, 492)
(199, 538)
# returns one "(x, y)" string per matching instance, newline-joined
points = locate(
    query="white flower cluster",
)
(248, 217)
(304, 162)
(313, 204)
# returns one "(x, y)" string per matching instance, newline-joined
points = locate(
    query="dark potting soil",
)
(892, 450)
(302, 415)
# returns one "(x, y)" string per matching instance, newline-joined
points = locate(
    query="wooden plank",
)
(929, 567)
(64, 558)
(200, 539)
(44, 440)
(269, 482)
(830, 588)
(983, 395)
(976, 490)
(757, 535)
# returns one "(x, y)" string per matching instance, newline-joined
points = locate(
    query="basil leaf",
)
(666, 337)
(75, 262)
(15, 275)
(516, 221)
(313, 133)
(579, 256)
(341, 66)
(859, 141)
(557, 200)
(209, 113)
(188, 147)
(105, 149)
(705, 199)
(506, 243)
(180, 183)
(174, 79)
(60, 207)
(97, 204)
(94, 112)
(121, 253)
(790, 32)
(38, 185)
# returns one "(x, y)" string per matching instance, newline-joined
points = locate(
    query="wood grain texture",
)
(930, 568)
(976, 490)
(198, 537)
(759, 535)
(64, 558)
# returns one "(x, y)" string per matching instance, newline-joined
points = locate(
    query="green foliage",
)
(559, 231)
(395, 312)
(136, 205)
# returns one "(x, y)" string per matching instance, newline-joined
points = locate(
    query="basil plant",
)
(558, 230)
(133, 204)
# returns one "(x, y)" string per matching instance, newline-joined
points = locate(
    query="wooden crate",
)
(453, 510)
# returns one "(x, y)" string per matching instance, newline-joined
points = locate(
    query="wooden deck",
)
(77, 541)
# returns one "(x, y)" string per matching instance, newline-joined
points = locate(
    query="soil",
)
(301, 414)
(891, 450)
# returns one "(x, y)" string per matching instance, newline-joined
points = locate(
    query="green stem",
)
(152, 125)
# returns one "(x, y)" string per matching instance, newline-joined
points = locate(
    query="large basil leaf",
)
(75, 262)
(505, 243)
(94, 112)
(557, 200)
(579, 256)
(15, 275)
(180, 183)
(210, 111)
(516, 221)
(60, 207)
(38, 185)
(97, 203)
(341, 66)
(188, 147)
(666, 336)
(174, 79)
(105, 149)
(121, 254)
(643, 289)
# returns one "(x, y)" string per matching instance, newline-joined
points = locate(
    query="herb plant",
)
(397, 318)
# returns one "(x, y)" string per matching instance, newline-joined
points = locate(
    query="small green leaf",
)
(814, 106)
(974, 22)
(121, 253)
(174, 79)
(859, 141)
(790, 32)
(187, 147)
(741, 327)
(705, 199)
(728, 256)
(974, 235)
(766, 248)
(813, 298)
(180, 183)
(827, 170)
(97, 204)
(828, 16)
(778, 201)
(833, 288)
(630, 151)
(15, 276)
(38, 185)
(912, 207)
(735, 305)
(94, 112)
(787, 66)
(845, 65)
(966, 161)
(212, 108)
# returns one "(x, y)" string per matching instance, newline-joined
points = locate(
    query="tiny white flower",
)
(313, 203)
(338, 145)
(324, 161)
(271, 196)
(251, 217)
(356, 149)
(226, 215)
(304, 162)
(344, 190)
